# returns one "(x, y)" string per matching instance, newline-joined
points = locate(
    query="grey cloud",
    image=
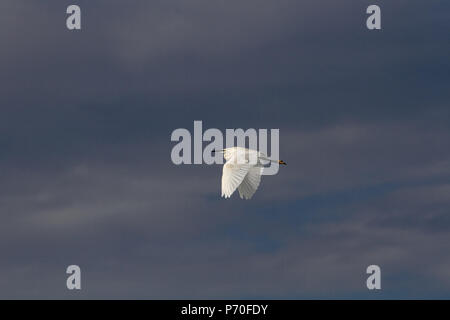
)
(86, 176)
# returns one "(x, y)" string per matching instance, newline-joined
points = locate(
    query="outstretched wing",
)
(232, 176)
(250, 183)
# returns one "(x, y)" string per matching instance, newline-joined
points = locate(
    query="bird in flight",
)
(242, 170)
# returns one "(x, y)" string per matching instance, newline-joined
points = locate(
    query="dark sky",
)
(86, 176)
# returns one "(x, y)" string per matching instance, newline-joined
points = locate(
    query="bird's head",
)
(282, 162)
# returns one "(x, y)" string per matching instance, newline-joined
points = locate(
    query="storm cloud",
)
(86, 176)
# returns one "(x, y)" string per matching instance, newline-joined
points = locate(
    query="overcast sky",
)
(86, 176)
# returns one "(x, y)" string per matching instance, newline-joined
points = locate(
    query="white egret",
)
(242, 170)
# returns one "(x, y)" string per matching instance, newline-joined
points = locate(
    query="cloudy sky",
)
(86, 176)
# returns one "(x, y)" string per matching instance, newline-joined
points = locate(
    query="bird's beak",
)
(282, 162)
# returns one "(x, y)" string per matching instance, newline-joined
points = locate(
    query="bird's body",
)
(242, 170)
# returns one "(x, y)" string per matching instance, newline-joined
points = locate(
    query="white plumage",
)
(242, 170)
